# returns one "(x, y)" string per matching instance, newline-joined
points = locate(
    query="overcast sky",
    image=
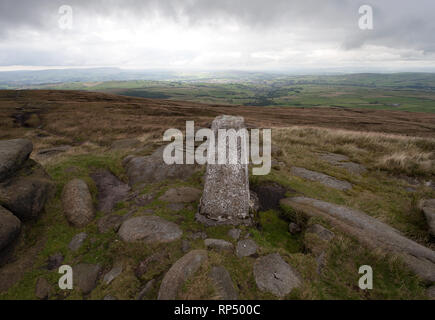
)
(287, 35)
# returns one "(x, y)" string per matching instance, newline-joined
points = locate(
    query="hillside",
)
(377, 164)
(69, 113)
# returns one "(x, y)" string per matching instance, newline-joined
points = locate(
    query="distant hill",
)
(19, 79)
(396, 91)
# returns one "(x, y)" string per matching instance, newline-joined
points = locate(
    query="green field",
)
(405, 91)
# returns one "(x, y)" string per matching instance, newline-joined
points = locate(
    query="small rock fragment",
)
(77, 242)
(146, 290)
(112, 274)
(149, 229)
(294, 228)
(321, 178)
(274, 275)
(199, 235)
(223, 283)
(77, 203)
(185, 246)
(321, 232)
(234, 233)
(218, 244)
(181, 195)
(246, 248)
(85, 276)
(180, 271)
(55, 261)
(43, 289)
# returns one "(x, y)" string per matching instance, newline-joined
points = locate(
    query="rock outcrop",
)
(25, 188)
(149, 229)
(321, 178)
(27, 193)
(369, 231)
(342, 161)
(110, 190)
(24, 185)
(181, 195)
(13, 154)
(151, 169)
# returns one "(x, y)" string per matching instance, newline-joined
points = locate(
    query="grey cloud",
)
(399, 24)
(395, 20)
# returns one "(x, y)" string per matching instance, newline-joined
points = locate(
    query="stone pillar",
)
(226, 198)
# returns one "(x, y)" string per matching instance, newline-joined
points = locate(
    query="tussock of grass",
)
(408, 162)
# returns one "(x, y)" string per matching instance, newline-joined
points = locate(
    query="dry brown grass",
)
(395, 153)
(408, 162)
(98, 117)
(401, 142)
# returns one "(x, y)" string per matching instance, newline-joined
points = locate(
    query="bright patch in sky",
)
(204, 34)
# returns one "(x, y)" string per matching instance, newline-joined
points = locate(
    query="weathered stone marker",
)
(226, 198)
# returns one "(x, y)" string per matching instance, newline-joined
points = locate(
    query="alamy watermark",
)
(66, 19)
(229, 147)
(66, 280)
(366, 280)
(365, 21)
